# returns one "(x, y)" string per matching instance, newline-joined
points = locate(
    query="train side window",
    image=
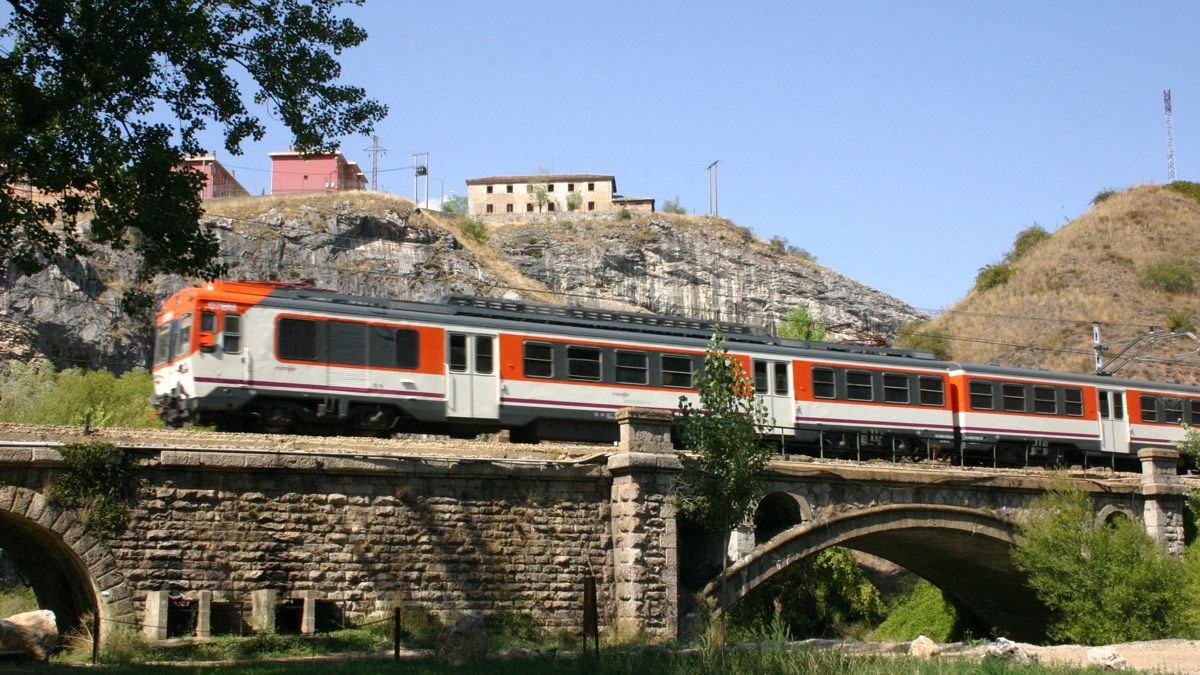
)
(1172, 410)
(381, 346)
(183, 338)
(1045, 400)
(231, 335)
(408, 348)
(162, 344)
(676, 371)
(539, 359)
(632, 367)
(297, 339)
(458, 353)
(347, 344)
(858, 385)
(781, 380)
(823, 383)
(762, 383)
(895, 388)
(982, 395)
(1194, 404)
(1149, 409)
(483, 354)
(1013, 397)
(1073, 401)
(583, 363)
(932, 391)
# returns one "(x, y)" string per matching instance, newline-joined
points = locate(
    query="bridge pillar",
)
(644, 470)
(1162, 511)
(154, 623)
(741, 543)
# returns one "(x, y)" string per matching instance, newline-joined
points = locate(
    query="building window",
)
(550, 187)
(550, 206)
(489, 189)
(529, 208)
(591, 187)
(489, 208)
(570, 187)
(508, 208)
(632, 367)
(508, 189)
(591, 206)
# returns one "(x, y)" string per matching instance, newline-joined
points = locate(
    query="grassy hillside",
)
(1132, 262)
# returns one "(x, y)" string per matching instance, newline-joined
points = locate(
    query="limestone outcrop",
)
(32, 633)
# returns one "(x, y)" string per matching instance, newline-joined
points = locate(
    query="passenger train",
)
(281, 357)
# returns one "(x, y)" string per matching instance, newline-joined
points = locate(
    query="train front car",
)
(200, 344)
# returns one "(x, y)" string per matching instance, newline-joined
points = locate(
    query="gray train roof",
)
(683, 331)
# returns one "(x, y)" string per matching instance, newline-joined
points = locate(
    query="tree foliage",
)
(800, 324)
(37, 394)
(101, 98)
(1106, 583)
(96, 478)
(723, 485)
(673, 206)
(456, 204)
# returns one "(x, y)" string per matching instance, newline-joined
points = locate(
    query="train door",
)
(773, 382)
(472, 382)
(221, 338)
(1114, 427)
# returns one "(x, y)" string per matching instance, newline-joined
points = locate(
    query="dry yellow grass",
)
(290, 205)
(1087, 271)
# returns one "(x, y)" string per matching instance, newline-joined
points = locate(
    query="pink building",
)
(218, 181)
(293, 172)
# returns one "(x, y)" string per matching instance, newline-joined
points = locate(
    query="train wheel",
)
(280, 419)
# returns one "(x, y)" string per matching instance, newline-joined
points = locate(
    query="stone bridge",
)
(232, 538)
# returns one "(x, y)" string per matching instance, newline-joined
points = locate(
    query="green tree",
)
(101, 98)
(539, 188)
(673, 206)
(723, 483)
(456, 204)
(1105, 582)
(574, 201)
(799, 324)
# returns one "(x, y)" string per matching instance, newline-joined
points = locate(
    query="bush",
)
(624, 214)
(1187, 188)
(455, 204)
(1106, 583)
(916, 336)
(574, 201)
(1180, 322)
(670, 206)
(991, 276)
(924, 610)
(1103, 196)
(38, 395)
(506, 628)
(419, 627)
(799, 324)
(472, 228)
(95, 478)
(1026, 240)
(123, 645)
(1170, 275)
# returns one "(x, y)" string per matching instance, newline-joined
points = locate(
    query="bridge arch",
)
(71, 572)
(963, 551)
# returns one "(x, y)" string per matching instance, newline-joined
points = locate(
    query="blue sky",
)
(903, 144)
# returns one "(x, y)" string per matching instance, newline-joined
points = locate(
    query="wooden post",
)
(95, 637)
(396, 634)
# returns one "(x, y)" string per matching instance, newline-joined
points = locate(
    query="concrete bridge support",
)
(1162, 511)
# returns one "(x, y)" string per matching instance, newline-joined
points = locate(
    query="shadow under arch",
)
(962, 551)
(71, 572)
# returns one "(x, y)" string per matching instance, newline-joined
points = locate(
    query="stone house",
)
(548, 193)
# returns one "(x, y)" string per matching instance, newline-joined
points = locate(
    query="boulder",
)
(1003, 648)
(1106, 658)
(32, 633)
(464, 641)
(924, 648)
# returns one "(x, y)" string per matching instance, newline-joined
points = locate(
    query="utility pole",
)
(1170, 136)
(713, 205)
(419, 170)
(441, 193)
(376, 150)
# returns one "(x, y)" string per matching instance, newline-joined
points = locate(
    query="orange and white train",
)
(280, 357)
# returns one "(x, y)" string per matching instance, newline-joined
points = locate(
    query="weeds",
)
(16, 600)
(991, 276)
(472, 228)
(1170, 275)
(1103, 196)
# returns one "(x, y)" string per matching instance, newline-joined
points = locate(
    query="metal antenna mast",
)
(376, 150)
(1170, 136)
(713, 206)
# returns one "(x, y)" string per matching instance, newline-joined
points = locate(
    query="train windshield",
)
(173, 340)
(162, 344)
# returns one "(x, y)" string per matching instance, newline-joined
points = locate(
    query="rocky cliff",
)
(374, 244)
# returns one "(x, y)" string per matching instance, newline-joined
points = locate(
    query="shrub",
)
(991, 276)
(916, 336)
(799, 324)
(574, 201)
(1105, 583)
(1025, 241)
(96, 479)
(1170, 275)
(419, 627)
(1103, 196)
(455, 204)
(123, 645)
(1179, 321)
(38, 395)
(506, 628)
(1187, 188)
(472, 228)
(924, 610)
(624, 214)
